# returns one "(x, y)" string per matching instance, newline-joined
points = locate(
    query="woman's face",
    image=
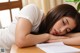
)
(63, 26)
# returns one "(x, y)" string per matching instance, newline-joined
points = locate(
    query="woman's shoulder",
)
(31, 6)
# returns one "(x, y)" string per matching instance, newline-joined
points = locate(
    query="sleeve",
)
(30, 12)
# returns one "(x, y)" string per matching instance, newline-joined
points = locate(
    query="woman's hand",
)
(54, 38)
(69, 39)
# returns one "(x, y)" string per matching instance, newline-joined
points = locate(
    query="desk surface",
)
(32, 49)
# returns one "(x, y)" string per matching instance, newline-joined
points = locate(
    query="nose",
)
(63, 29)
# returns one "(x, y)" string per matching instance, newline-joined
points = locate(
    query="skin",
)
(25, 39)
(68, 39)
(61, 29)
(63, 26)
(23, 36)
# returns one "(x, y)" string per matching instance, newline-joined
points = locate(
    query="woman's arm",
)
(23, 36)
(73, 39)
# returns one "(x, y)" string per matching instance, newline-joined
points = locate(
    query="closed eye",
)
(68, 30)
(63, 22)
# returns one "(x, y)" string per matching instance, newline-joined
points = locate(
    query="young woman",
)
(31, 26)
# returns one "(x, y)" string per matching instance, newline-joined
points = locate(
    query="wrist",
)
(48, 37)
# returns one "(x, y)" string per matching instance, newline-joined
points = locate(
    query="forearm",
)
(54, 38)
(23, 37)
(71, 41)
(30, 40)
(34, 39)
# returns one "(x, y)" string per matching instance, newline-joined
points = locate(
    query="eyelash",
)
(63, 22)
(66, 31)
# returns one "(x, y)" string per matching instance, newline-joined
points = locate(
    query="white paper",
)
(57, 47)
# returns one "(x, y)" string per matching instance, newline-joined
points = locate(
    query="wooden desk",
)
(33, 49)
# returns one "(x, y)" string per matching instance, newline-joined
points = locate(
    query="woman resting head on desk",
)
(32, 29)
(31, 26)
(37, 28)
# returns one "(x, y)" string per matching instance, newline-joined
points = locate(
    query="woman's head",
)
(63, 26)
(64, 13)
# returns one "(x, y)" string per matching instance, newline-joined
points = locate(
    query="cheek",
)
(58, 25)
(73, 26)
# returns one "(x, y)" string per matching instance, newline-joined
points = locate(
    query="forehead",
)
(69, 19)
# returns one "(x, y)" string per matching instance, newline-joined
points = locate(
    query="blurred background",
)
(10, 8)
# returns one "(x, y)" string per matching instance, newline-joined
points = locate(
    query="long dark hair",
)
(55, 14)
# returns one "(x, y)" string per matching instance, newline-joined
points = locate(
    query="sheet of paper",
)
(57, 47)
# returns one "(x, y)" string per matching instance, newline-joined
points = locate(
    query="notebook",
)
(57, 47)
